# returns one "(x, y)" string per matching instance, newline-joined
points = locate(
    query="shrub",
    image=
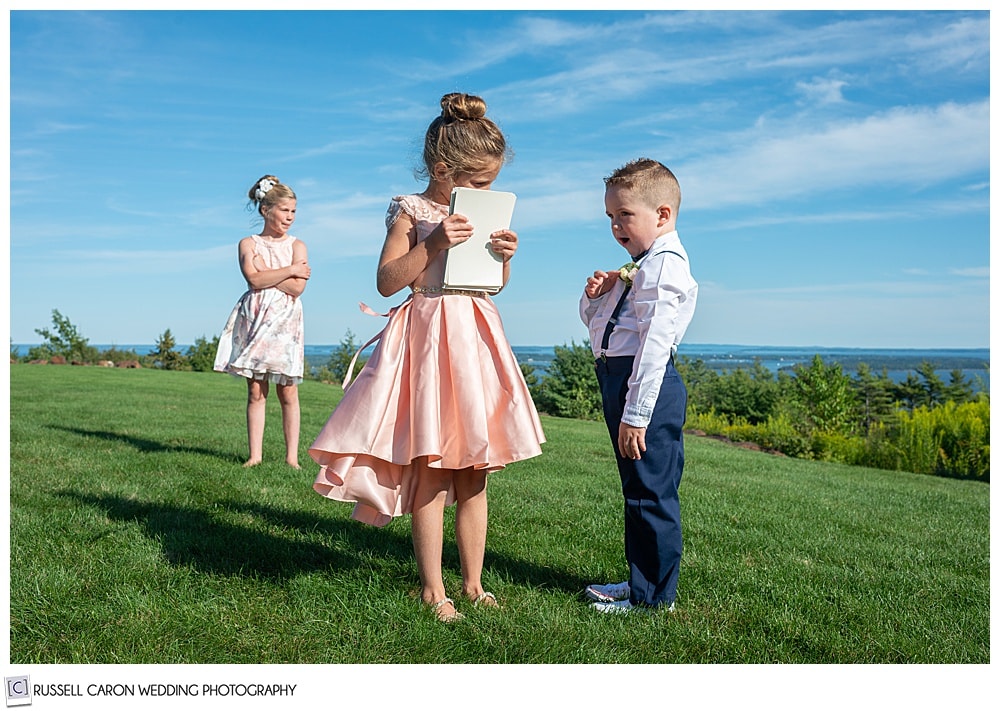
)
(570, 389)
(201, 355)
(950, 439)
(780, 433)
(116, 355)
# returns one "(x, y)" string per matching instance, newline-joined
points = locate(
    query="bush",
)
(116, 355)
(570, 389)
(950, 439)
(201, 355)
(780, 434)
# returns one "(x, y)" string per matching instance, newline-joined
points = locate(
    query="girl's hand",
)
(302, 270)
(452, 230)
(504, 243)
(600, 283)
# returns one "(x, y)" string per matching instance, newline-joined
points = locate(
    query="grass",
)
(137, 537)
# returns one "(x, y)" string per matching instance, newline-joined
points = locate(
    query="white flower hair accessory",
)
(262, 189)
(627, 273)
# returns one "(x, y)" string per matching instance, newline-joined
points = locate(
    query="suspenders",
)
(613, 321)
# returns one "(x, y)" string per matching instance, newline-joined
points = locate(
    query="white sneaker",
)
(611, 592)
(618, 607)
(621, 607)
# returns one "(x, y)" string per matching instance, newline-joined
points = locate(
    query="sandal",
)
(436, 607)
(488, 599)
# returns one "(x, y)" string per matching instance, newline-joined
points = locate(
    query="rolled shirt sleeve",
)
(665, 295)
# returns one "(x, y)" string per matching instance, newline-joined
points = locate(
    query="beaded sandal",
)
(436, 607)
(488, 599)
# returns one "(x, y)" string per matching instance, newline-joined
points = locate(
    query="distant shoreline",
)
(141, 349)
(898, 363)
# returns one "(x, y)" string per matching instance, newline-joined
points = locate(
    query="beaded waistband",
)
(442, 290)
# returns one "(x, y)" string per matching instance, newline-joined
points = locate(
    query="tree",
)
(65, 341)
(908, 393)
(933, 386)
(959, 388)
(699, 380)
(874, 392)
(530, 375)
(201, 355)
(165, 356)
(823, 396)
(340, 359)
(751, 395)
(570, 388)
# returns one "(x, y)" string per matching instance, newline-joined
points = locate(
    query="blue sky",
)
(834, 165)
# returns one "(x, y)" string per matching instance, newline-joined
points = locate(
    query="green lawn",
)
(138, 537)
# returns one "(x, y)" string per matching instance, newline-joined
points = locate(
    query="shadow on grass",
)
(149, 446)
(193, 537)
(376, 541)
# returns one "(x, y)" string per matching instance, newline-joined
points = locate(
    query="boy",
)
(636, 318)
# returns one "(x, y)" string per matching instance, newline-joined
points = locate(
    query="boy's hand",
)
(600, 283)
(631, 441)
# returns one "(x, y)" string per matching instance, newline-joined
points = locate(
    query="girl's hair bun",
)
(458, 106)
(267, 191)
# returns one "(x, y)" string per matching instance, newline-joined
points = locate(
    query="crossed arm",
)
(291, 279)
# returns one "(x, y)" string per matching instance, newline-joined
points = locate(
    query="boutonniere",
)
(627, 273)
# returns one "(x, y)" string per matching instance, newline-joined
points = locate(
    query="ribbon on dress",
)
(365, 308)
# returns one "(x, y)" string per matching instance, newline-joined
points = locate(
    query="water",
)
(898, 362)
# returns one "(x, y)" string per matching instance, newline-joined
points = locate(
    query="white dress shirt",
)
(651, 324)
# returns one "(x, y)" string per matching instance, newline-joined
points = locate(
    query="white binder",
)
(473, 264)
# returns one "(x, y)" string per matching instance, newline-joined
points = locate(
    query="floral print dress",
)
(264, 336)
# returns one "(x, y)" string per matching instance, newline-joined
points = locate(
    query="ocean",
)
(898, 362)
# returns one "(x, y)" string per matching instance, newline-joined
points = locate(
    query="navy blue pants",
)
(652, 509)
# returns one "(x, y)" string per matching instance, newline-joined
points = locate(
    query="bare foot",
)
(251, 463)
(293, 465)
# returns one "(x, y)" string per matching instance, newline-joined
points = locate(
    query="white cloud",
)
(903, 146)
(105, 262)
(973, 272)
(823, 90)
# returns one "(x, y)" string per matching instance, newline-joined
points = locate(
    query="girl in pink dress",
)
(263, 338)
(441, 402)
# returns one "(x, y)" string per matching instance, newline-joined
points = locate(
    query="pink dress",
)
(263, 338)
(442, 383)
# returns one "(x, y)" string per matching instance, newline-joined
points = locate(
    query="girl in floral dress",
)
(441, 402)
(263, 338)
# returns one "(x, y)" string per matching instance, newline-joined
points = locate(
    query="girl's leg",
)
(288, 396)
(428, 523)
(470, 529)
(256, 409)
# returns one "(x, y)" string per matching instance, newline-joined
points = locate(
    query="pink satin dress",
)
(442, 386)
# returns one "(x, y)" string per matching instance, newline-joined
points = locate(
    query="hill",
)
(138, 538)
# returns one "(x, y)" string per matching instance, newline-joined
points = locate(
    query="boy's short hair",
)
(654, 183)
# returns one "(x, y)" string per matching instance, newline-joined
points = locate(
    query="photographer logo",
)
(18, 690)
